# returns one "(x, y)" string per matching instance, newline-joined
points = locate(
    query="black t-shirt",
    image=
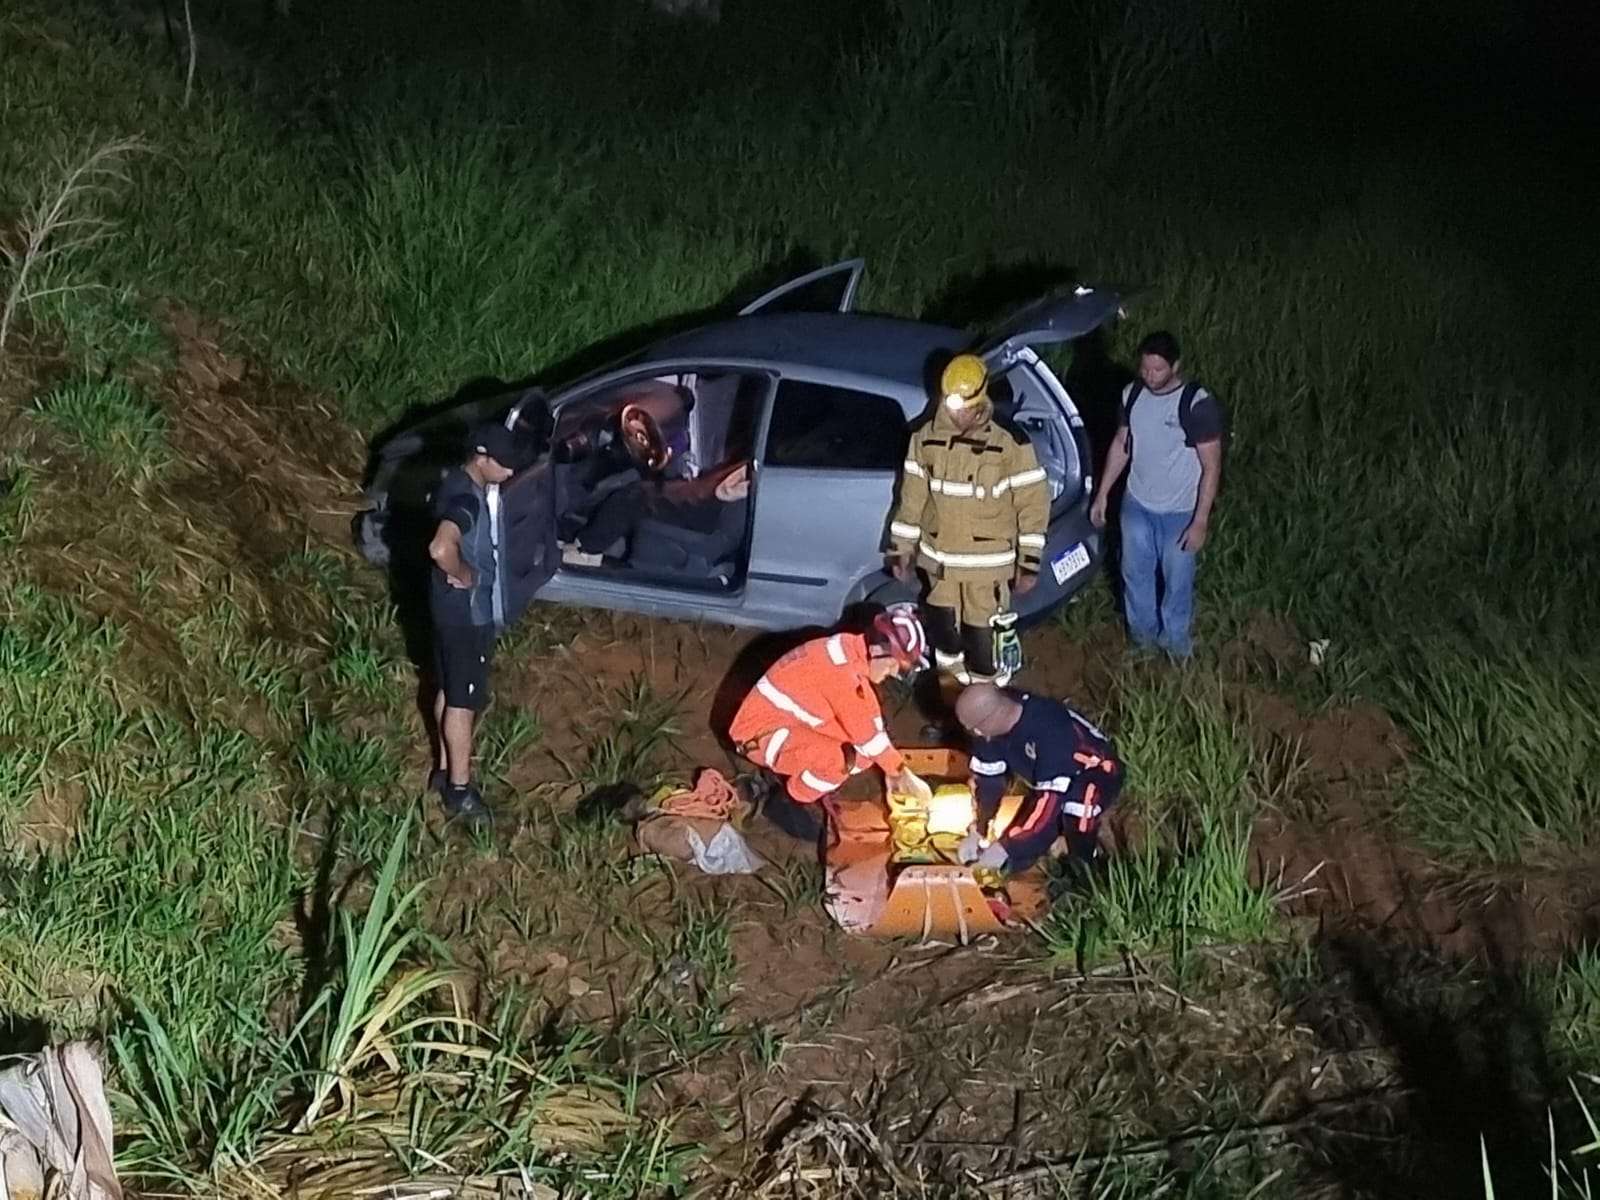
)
(459, 501)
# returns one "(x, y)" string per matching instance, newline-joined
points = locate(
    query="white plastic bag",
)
(728, 853)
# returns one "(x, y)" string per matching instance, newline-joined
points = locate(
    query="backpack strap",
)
(1186, 410)
(1135, 390)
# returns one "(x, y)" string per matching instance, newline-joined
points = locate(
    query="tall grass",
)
(1506, 752)
(1192, 795)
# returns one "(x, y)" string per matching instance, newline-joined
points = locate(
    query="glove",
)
(971, 846)
(912, 784)
(993, 857)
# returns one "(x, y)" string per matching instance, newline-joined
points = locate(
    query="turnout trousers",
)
(958, 615)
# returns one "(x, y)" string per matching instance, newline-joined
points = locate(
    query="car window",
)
(819, 425)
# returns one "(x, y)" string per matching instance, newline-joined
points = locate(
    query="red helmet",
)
(898, 631)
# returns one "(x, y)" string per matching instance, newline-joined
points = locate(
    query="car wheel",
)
(369, 528)
(894, 592)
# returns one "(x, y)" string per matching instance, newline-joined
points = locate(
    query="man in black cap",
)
(467, 616)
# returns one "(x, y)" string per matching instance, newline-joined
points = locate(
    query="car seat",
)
(710, 555)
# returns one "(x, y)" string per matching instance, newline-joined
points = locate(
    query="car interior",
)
(623, 448)
(1021, 399)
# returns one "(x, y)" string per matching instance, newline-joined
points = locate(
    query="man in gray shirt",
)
(1171, 433)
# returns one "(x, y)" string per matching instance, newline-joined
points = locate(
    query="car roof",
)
(880, 347)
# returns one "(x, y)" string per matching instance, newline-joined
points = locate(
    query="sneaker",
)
(466, 804)
(757, 788)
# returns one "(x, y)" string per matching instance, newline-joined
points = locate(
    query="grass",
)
(109, 420)
(1506, 752)
(1194, 793)
(682, 1011)
(1571, 1173)
(1571, 991)
(1395, 484)
(631, 745)
(169, 904)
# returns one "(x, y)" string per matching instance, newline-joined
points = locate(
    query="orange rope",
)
(712, 797)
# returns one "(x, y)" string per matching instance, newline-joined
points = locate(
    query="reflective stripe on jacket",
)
(823, 687)
(974, 503)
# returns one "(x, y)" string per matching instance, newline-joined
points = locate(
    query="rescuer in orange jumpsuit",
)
(814, 718)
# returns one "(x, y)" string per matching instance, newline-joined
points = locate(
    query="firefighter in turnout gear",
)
(814, 719)
(972, 512)
(1069, 766)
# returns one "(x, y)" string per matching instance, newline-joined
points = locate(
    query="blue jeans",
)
(1150, 542)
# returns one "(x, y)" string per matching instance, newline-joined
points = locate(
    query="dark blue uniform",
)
(1071, 771)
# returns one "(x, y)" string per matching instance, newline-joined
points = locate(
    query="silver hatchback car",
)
(814, 401)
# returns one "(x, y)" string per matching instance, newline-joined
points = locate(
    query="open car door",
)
(829, 289)
(522, 514)
(1049, 321)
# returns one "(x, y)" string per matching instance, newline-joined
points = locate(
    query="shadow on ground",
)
(1469, 1047)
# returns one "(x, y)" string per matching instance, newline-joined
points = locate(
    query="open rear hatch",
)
(1050, 321)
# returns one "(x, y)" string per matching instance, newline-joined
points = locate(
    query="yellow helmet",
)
(962, 384)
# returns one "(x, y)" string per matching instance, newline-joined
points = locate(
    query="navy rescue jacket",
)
(1053, 748)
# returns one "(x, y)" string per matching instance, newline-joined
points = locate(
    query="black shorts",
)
(462, 655)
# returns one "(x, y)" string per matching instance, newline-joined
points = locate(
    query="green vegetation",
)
(1395, 485)
(1507, 752)
(1194, 794)
(207, 848)
(108, 420)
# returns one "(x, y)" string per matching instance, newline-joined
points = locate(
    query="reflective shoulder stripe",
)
(983, 766)
(775, 745)
(875, 746)
(913, 467)
(1025, 478)
(836, 653)
(782, 701)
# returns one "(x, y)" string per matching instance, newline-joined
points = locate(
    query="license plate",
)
(1069, 562)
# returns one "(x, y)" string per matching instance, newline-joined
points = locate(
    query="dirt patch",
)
(1335, 774)
(48, 819)
(261, 471)
(1367, 879)
(297, 460)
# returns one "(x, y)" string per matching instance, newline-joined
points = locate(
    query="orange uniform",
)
(814, 704)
